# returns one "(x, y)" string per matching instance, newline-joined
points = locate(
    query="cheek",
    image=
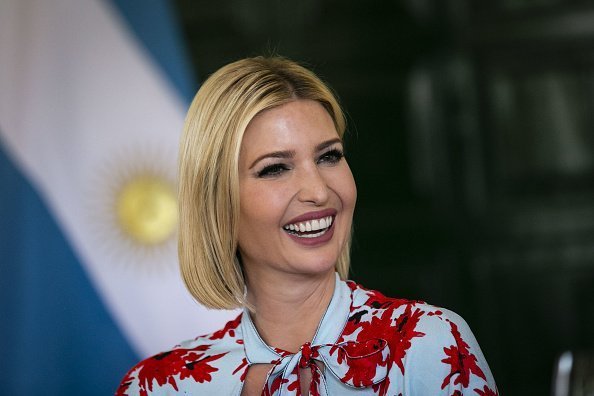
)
(261, 205)
(251, 222)
(347, 189)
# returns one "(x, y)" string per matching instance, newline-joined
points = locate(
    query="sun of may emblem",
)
(146, 209)
(132, 208)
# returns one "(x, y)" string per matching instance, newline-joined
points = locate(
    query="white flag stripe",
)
(63, 117)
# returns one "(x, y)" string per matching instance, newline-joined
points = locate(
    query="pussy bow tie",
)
(358, 364)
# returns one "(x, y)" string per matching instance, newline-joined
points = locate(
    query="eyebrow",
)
(291, 153)
(327, 143)
(274, 154)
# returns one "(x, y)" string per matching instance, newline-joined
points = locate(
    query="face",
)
(297, 193)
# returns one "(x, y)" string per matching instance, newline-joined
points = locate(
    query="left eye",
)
(273, 170)
(331, 157)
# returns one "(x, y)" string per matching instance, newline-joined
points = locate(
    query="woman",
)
(266, 205)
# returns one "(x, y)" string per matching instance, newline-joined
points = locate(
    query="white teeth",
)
(314, 225)
(317, 234)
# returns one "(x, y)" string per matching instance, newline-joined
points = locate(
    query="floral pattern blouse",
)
(366, 344)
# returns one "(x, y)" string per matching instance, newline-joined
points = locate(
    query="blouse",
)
(365, 344)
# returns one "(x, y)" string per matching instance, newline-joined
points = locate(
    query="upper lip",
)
(313, 215)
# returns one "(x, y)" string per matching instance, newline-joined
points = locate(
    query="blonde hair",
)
(208, 169)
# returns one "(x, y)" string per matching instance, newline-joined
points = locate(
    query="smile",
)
(311, 228)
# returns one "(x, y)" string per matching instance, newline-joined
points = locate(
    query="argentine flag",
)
(92, 99)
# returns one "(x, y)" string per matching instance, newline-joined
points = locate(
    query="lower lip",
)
(320, 240)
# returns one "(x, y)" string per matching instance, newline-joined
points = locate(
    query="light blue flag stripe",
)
(154, 25)
(56, 337)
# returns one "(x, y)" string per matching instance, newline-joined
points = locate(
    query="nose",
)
(313, 186)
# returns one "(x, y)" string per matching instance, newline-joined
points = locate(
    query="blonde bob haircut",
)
(208, 169)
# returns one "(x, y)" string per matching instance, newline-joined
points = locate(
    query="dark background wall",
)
(470, 137)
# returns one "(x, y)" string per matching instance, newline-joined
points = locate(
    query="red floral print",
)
(362, 371)
(281, 352)
(125, 384)
(314, 385)
(405, 330)
(200, 370)
(382, 388)
(315, 382)
(461, 361)
(398, 333)
(242, 365)
(163, 368)
(486, 391)
(228, 329)
(276, 384)
(295, 385)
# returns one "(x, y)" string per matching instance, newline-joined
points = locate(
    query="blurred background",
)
(470, 137)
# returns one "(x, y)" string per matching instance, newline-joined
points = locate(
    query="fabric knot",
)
(305, 359)
(359, 364)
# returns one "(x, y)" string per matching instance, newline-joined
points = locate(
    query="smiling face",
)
(297, 193)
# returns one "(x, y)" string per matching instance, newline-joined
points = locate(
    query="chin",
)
(316, 265)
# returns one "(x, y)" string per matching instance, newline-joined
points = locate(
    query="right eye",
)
(272, 170)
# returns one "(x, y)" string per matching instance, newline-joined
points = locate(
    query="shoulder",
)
(396, 320)
(211, 359)
(408, 317)
(432, 349)
(449, 348)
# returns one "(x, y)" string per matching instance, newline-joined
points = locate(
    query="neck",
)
(287, 307)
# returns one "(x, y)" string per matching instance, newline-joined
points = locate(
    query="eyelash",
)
(272, 170)
(330, 157)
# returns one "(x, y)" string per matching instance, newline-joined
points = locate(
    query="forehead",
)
(294, 125)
